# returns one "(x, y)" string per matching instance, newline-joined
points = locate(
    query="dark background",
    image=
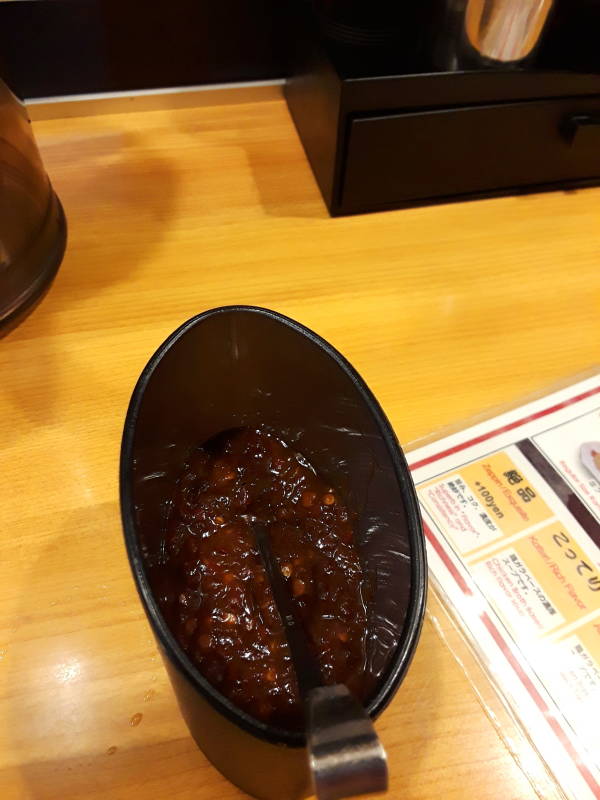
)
(55, 47)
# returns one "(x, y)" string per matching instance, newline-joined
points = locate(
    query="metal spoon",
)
(345, 755)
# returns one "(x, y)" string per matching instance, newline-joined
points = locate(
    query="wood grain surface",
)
(445, 311)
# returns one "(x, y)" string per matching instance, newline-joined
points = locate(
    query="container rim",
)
(416, 607)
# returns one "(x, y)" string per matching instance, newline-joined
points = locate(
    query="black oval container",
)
(241, 365)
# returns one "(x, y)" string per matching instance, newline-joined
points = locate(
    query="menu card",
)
(511, 512)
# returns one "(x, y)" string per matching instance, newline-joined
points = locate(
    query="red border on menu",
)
(504, 429)
(496, 635)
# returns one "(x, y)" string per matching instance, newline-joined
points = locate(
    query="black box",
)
(378, 138)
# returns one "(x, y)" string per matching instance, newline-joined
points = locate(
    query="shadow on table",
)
(118, 198)
(286, 187)
(267, 138)
(152, 772)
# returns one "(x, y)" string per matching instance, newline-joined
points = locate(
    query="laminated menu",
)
(511, 510)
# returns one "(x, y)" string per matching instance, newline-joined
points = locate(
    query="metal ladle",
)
(345, 755)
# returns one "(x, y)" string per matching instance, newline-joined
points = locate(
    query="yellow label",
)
(540, 582)
(484, 502)
(562, 569)
(504, 490)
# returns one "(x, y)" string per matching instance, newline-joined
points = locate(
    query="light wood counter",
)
(445, 311)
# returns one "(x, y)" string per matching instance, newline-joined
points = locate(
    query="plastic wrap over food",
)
(247, 367)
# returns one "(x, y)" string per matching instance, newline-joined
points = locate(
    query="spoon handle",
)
(345, 755)
(306, 666)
